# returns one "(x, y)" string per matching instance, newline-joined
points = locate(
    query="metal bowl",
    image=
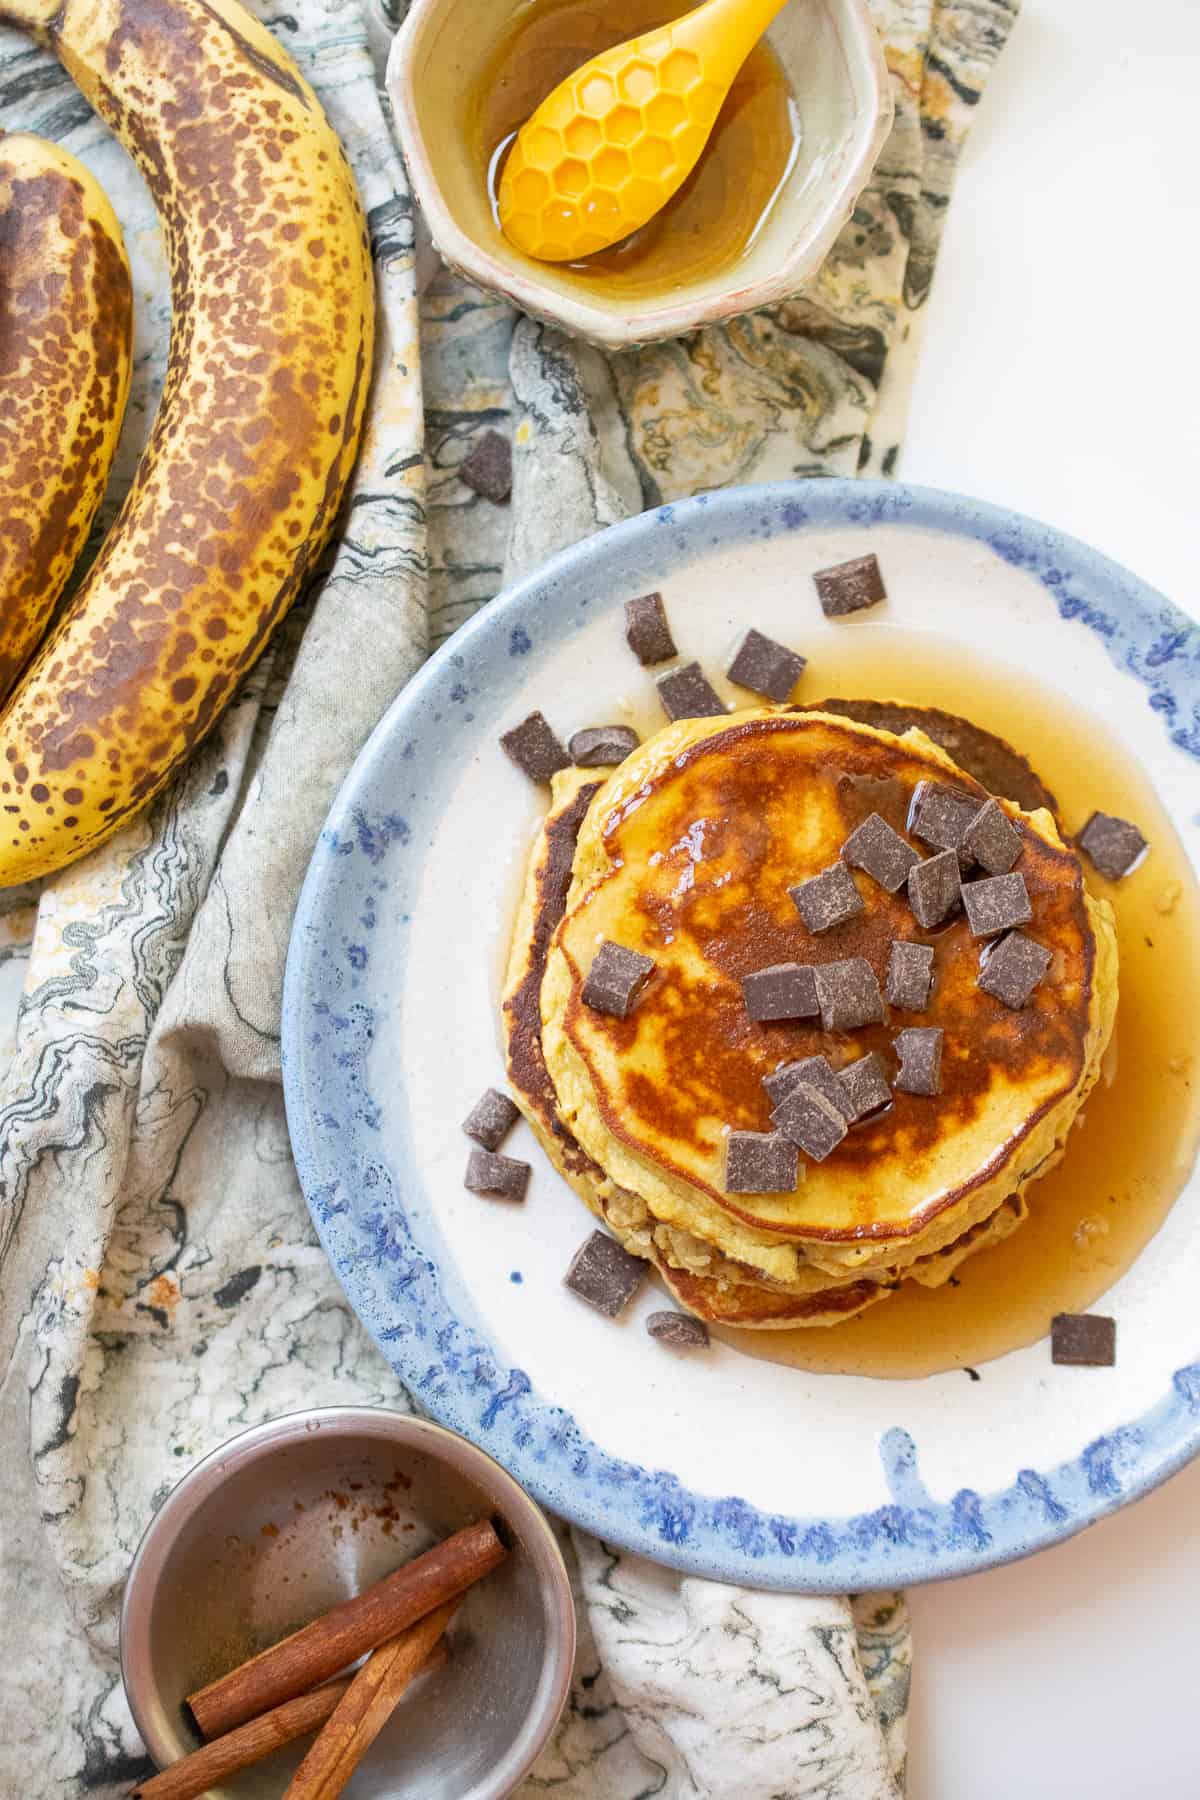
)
(284, 1521)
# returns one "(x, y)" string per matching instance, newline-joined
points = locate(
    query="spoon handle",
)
(731, 26)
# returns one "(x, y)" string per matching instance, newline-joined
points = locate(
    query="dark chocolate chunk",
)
(760, 1162)
(491, 1119)
(687, 693)
(882, 852)
(766, 667)
(992, 839)
(849, 587)
(996, 904)
(604, 1273)
(783, 991)
(920, 1052)
(910, 975)
(849, 994)
(678, 1329)
(1011, 969)
(866, 1086)
(646, 630)
(941, 815)
(616, 979)
(818, 1072)
(780, 1080)
(1113, 845)
(828, 899)
(934, 888)
(535, 749)
(503, 1176)
(488, 469)
(811, 1121)
(1084, 1340)
(602, 746)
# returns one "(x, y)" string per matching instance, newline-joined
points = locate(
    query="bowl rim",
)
(204, 1479)
(645, 322)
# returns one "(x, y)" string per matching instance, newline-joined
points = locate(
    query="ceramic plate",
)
(719, 1463)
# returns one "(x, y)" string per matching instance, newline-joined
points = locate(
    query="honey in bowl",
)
(714, 218)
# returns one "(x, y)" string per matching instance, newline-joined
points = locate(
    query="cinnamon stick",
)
(364, 1710)
(317, 1651)
(204, 1768)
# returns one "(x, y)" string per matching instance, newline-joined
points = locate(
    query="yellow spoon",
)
(607, 149)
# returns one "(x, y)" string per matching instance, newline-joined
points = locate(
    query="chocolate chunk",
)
(1113, 845)
(766, 667)
(865, 1084)
(503, 1176)
(687, 693)
(992, 839)
(491, 1119)
(616, 979)
(819, 1073)
(849, 994)
(603, 1273)
(646, 630)
(602, 746)
(996, 904)
(849, 587)
(934, 888)
(920, 1052)
(760, 1162)
(910, 975)
(1084, 1340)
(882, 852)
(535, 749)
(828, 899)
(1011, 969)
(488, 469)
(784, 991)
(942, 816)
(678, 1329)
(811, 1121)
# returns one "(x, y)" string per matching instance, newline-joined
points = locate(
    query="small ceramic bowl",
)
(834, 65)
(284, 1521)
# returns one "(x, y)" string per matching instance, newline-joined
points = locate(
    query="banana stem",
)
(739, 23)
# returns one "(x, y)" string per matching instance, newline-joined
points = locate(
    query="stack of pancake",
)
(686, 853)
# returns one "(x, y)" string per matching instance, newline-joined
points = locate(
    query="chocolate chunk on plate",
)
(942, 815)
(765, 667)
(680, 1330)
(813, 1123)
(488, 469)
(687, 693)
(996, 904)
(1086, 1340)
(818, 1072)
(828, 899)
(882, 852)
(535, 749)
(1013, 968)
(1112, 845)
(502, 1176)
(992, 840)
(602, 746)
(616, 978)
(865, 1085)
(760, 1162)
(934, 888)
(646, 629)
(849, 994)
(920, 1051)
(909, 975)
(782, 991)
(605, 1274)
(850, 587)
(491, 1119)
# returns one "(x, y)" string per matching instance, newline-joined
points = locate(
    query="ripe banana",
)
(66, 327)
(258, 426)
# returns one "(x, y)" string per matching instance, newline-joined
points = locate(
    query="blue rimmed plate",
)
(723, 1464)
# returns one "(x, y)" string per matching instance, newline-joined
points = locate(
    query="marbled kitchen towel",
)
(160, 1285)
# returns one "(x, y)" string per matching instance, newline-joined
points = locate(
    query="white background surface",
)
(1060, 375)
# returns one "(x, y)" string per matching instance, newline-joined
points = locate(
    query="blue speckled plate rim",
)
(448, 1364)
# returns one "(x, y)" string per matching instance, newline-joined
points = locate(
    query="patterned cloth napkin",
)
(160, 1283)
